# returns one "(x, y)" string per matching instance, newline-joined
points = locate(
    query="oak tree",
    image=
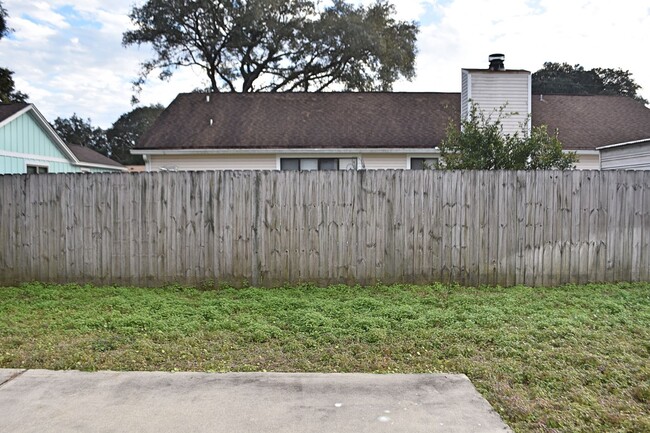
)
(563, 78)
(8, 92)
(276, 45)
(76, 130)
(3, 21)
(127, 130)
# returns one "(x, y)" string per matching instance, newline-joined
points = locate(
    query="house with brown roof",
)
(311, 131)
(28, 144)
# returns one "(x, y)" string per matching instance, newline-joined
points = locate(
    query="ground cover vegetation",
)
(573, 358)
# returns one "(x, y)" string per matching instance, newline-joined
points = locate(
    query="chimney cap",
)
(496, 62)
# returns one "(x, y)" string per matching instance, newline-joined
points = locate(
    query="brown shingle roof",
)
(588, 122)
(89, 156)
(372, 120)
(8, 110)
(303, 120)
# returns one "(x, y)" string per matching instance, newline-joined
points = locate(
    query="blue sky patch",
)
(536, 6)
(432, 13)
(76, 20)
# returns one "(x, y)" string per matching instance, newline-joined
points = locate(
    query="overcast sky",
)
(67, 54)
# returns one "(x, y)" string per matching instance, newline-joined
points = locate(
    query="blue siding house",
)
(28, 144)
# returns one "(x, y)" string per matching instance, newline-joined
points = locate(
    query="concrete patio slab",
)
(7, 374)
(70, 401)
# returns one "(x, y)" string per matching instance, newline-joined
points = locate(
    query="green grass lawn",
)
(572, 358)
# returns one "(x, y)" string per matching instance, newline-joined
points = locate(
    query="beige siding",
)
(371, 161)
(492, 90)
(377, 161)
(213, 162)
(588, 162)
(630, 157)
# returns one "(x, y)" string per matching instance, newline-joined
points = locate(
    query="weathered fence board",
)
(271, 228)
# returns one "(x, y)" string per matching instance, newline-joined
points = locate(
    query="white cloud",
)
(79, 69)
(26, 30)
(42, 11)
(594, 33)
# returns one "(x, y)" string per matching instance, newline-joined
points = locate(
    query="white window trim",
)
(39, 164)
(33, 157)
(147, 162)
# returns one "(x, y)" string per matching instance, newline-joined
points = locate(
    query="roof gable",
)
(32, 134)
(36, 136)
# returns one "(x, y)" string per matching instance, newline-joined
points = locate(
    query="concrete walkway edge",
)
(70, 401)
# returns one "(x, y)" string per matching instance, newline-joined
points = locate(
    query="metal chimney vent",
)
(496, 62)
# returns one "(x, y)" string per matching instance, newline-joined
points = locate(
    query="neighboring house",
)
(308, 131)
(587, 123)
(272, 131)
(28, 144)
(633, 155)
(90, 160)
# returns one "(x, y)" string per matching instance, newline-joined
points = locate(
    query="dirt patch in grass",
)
(572, 358)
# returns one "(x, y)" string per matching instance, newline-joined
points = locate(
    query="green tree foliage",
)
(3, 21)
(480, 144)
(127, 130)
(8, 92)
(562, 78)
(276, 45)
(76, 130)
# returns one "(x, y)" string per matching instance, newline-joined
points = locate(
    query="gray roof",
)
(8, 110)
(372, 120)
(303, 120)
(588, 122)
(89, 156)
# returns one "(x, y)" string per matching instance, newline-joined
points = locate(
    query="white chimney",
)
(496, 87)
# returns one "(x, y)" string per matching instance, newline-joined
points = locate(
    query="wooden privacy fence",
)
(271, 228)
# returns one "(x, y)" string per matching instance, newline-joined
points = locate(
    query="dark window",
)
(328, 164)
(289, 164)
(307, 164)
(424, 163)
(36, 169)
